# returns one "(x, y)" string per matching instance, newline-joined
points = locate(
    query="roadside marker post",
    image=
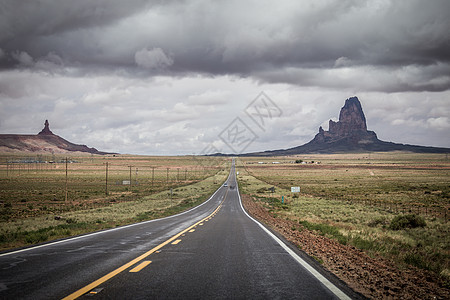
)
(295, 189)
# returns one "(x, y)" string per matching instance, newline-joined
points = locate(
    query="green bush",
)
(407, 221)
(377, 221)
(34, 237)
(416, 260)
(364, 244)
(325, 230)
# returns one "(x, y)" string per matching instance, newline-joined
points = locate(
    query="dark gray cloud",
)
(33, 20)
(300, 39)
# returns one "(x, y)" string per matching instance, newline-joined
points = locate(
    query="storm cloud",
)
(304, 52)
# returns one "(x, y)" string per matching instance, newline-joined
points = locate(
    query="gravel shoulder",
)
(373, 277)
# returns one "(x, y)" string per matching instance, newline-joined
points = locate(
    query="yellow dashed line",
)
(176, 242)
(140, 266)
(96, 283)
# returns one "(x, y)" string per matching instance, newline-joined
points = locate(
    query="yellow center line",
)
(140, 266)
(110, 275)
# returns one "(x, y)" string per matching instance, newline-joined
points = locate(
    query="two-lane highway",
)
(213, 251)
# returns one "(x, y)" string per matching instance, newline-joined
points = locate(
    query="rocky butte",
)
(46, 129)
(349, 134)
(351, 127)
(43, 142)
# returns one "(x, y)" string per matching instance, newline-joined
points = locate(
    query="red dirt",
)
(375, 278)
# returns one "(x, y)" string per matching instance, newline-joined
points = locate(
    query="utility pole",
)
(136, 177)
(66, 179)
(130, 175)
(106, 184)
(153, 175)
(167, 176)
(178, 174)
(167, 180)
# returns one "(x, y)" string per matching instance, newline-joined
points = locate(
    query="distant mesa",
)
(349, 134)
(44, 142)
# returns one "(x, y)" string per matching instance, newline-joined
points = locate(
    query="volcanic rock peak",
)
(351, 119)
(349, 134)
(351, 124)
(46, 129)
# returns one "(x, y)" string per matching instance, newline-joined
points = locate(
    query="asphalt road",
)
(213, 251)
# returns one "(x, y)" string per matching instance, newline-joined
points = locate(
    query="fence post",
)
(167, 176)
(106, 184)
(66, 180)
(153, 175)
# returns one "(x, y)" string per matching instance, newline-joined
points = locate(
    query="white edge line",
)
(334, 289)
(108, 230)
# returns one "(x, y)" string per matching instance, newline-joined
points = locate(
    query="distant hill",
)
(349, 134)
(44, 142)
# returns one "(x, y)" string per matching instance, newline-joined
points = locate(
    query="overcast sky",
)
(174, 77)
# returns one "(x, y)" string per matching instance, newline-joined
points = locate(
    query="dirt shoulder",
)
(373, 277)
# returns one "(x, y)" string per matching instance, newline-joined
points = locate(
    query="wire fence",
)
(38, 185)
(405, 204)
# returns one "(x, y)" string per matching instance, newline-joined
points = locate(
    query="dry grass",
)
(31, 199)
(355, 198)
(30, 189)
